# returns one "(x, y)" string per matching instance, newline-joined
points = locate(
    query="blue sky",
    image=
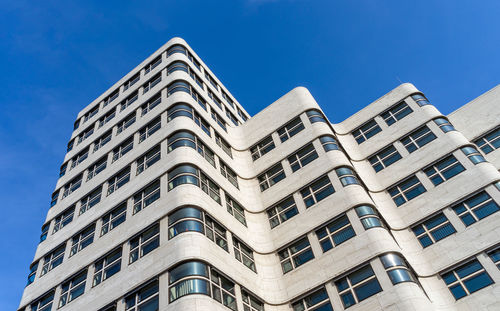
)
(58, 56)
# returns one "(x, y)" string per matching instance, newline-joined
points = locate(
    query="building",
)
(171, 197)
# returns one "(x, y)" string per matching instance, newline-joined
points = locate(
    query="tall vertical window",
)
(63, 219)
(120, 179)
(466, 279)
(290, 129)
(347, 176)
(133, 80)
(71, 143)
(317, 191)
(335, 233)
(406, 190)
(397, 268)
(443, 170)
(262, 147)
(358, 286)
(229, 174)
(304, 156)
(147, 196)
(433, 229)
(108, 266)
(282, 211)
(152, 65)
(73, 288)
(368, 216)
(475, 208)
(384, 158)
(90, 200)
(316, 301)
(114, 218)
(420, 99)
(123, 148)
(145, 298)
(228, 99)
(148, 159)
(144, 243)
(53, 259)
(82, 239)
(54, 197)
(473, 154)
(97, 167)
(244, 254)
(315, 116)
(129, 100)
(102, 140)
(235, 209)
(490, 141)
(366, 131)
(396, 113)
(295, 255)
(45, 232)
(32, 273)
(62, 170)
(444, 125)
(271, 176)
(329, 143)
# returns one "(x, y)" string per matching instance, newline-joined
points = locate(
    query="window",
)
(92, 112)
(53, 259)
(103, 140)
(148, 159)
(271, 176)
(73, 288)
(329, 143)
(357, 286)
(316, 301)
(125, 123)
(335, 233)
(443, 170)
(73, 185)
(466, 279)
(282, 211)
(176, 49)
(432, 230)
(123, 148)
(211, 80)
(179, 110)
(262, 147)
(151, 103)
(62, 170)
(76, 125)
(178, 86)
(145, 299)
(418, 138)
(219, 120)
(86, 133)
(114, 218)
(149, 129)
(82, 239)
(129, 100)
(315, 116)
(144, 243)
(198, 98)
(63, 219)
(70, 145)
(195, 277)
(234, 208)
(232, 117)
(32, 273)
(45, 232)
(223, 144)
(365, 131)
(251, 303)
(368, 216)
(147, 196)
(242, 115)
(198, 81)
(228, 99)
(194, 61)
(187, 139)
(397, 269)
(97, 167)
(44, 303)
(107, 266)
(317, 191)
(473, 155)
(108, 117)
(475, 208)
(347, 176)
(302, 157)
(152, 65)
(54, 197)
(396, 113)
(295, 255)
(420, 99)
(176, 66)
(188, 174)
(290, 129)
(229, 174)
(133, 80)
(444, 125)
(90, 200)
(494, 255)
(244, 254)
(117, 181)
(79, 158)
(406, 190)
(490, 141)
(384, 158)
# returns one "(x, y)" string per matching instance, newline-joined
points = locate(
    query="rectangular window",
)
(126, 122)
(225, 146)
(120, 179)
(475, 208)
(216, 100)
(433, 229)
(129, 100)
(251, 303)
(290, 129)
(443, 170)
(79, 158)
(62, 170)
(384, 158)
(262, 147)
(53, 259)
(133, 80)
(63, 219)
(146, 196)
(202, 124)
(149, 129)
(107, 266)
(295, 255)
(73, 185)
(82, 239)
(365, 131)
(244, 254)
(467, 279)
(490, 141)
(90, 200)
(210, 188)
(358, 286)
(396, 113)
(76, 125)
(114, 218)
(229, 174)
(103, 140)
(317, 191)
(108, 117)
(444, 125)
(144, 299)
(70, 145)
(45, 232)
(242, 115)
(335, 233)
(54, 197)
(123, 148)
(73, 288)
(144, 243)
(211, 80)
(228, 99)
(282, 211)
(232, 117)
(317, 301)
(92, 112)
(148, 159)
(271, 176)
(152, 65)
(406, 190)
(86, 133)
(219, 120)
(235, 209)
(473, 154)
(304, 156)
(494, 255)
(97, 167)
(418, 138)
(151, 103)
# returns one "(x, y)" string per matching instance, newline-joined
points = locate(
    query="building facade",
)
(171, 197)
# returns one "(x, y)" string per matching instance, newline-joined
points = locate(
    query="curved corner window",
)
(177, 48)
(183, 174)
(444, 125)
(315, 116)
(177, 65)
(178, 86)
(473, 154)
(397, 269)
(369, 218)
(187, 139)
(346, 176)
(179, 110)
(329, 143)
(420, 99)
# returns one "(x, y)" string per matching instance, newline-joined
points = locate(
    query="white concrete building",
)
(171, 197)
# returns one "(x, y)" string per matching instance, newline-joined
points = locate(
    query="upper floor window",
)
(290, 129)
(90, 200)
(97, 167)
(152, 65)
(242, 115)
(335, 233)
(420, 99)
(145, 298)
(490, 141)
(86, 133)
(316, 301)
(271, 176)
(129, 100)
(103, 140)
(107, 267)
(179, 110)
(251, 303)
(223, 144)
(73, 288)
(358, 286)
(176, 49)
(444, 125)
(54, 197)
(176, 66)
(146, 196)
(211, 80)
(133, 80)
(406, 190)
(92, 112)
(329, 143)
(80, 157)
(232, 117)
(144, 243)
(396, 113)
(114, 218)
(397, 269)
(244, 254)
(295, 255)
(368, 216)
(228, 99)
(148, 159)
(229, 174)
(73, 185)
(234, 208)
(219, 120)
(123, 148)
(443, 170)
(315, 116)
(384, 158)
(149, 129)
(418, 138)
(82, 239)
(304, 156)
(347, 176)
(473, 154)
(45, 232)
(317, 191)
(76, 125)
(466, 279)
(475, 208)
(53, 259)
(44, 303)
(365, 131)
(494, 255)
(262, 147)
(120, 179)
(282, 211)
(187, 139)
(71, 143)
(178, 86)
(32, 273)
(433, 229)
(126, 122)
(151, 103)
(111, 97)
(188, 174)
(63, 219)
